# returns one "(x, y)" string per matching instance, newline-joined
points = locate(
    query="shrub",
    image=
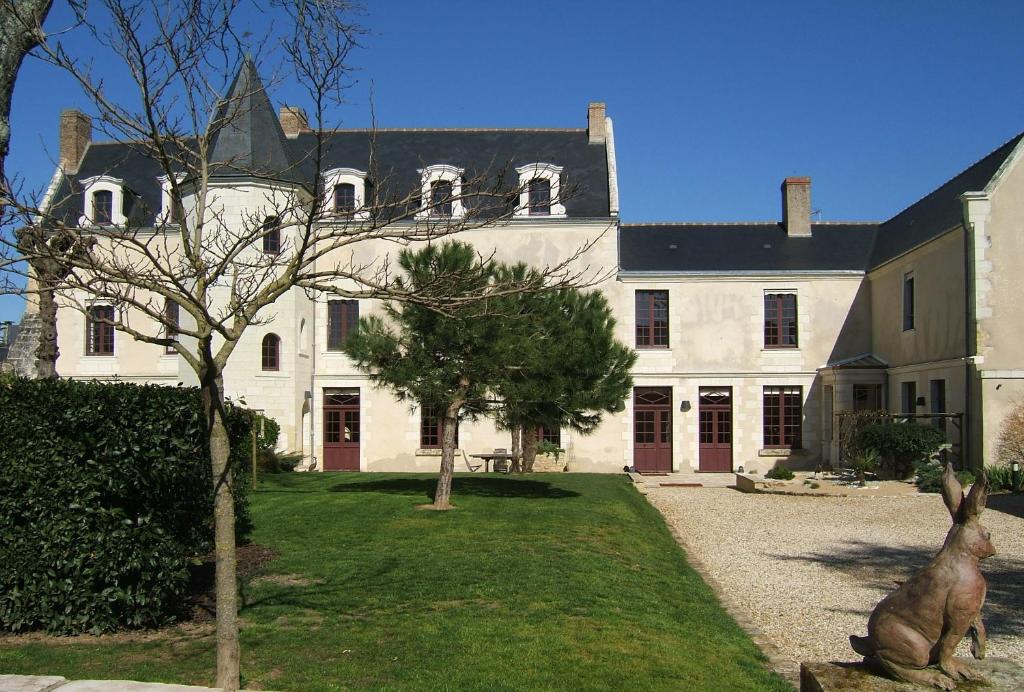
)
(779, 473)
(900, 445)
(1001, 478)
(928, 478)
(107, 496)
(550, 448)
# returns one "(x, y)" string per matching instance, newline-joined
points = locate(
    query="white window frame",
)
(166, 198)
(103, 183)
(337, 176)
(441, 172)
(545, 171)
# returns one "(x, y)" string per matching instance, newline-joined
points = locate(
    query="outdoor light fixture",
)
(920, 401)
(684, 406)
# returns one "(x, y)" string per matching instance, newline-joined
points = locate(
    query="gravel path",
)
(807, 571)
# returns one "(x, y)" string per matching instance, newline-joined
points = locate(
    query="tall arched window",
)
(271, 352)
(271, 236)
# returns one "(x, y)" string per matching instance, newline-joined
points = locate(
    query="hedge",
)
(900, 445)
(106, 499)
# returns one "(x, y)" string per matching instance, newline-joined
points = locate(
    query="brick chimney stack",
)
(293, 121)
(75, 134)
(597, 128)
(796, 207)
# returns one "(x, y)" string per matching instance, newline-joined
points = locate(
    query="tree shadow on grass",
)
(885, 567)
(475, 487)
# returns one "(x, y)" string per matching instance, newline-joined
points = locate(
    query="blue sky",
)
(714, 103)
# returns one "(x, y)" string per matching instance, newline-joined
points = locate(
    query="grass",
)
(545, 581)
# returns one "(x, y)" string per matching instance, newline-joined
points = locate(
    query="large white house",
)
(751, 337)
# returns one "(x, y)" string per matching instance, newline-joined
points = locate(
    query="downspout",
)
(312, 380)
(969, 345)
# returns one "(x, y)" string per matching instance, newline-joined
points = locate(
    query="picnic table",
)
(492, 456)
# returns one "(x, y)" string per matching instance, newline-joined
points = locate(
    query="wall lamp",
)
(684, 406)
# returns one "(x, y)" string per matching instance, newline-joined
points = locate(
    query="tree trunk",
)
(443, 494)
(529, 448)
(19, 33)
(517, 448)
(47, 351)
(212, 384)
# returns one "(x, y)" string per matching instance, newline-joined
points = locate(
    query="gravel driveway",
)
(807, 571)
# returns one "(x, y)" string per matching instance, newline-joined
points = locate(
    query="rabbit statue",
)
(921, 623)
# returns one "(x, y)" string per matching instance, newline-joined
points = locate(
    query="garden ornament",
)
(920, 624)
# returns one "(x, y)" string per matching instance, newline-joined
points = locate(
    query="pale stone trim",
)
(441, 172)
(544, 171)
(337, 176)
(103, 183)
(613, 169)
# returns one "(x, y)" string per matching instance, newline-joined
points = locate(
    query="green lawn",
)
(548, 581)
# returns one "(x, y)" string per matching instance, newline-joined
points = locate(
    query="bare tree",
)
(222, 266)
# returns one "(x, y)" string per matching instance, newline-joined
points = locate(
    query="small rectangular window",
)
(652, 319)
(431, 433)
(171, 314)
(344, 198)
(271, 236)
(867, 397)
(539, 194)
(783, 417)
(908, 301)
(342, 320)
(102, 207)
(552, 435)
(99, 330)
(441, 198)
(780, 320)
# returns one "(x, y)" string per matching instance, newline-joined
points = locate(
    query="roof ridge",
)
(456, 129)
(957, 175)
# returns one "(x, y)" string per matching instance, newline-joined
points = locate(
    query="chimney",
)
(293, 121)
(796, 207)
(75, 133)
(597, 129)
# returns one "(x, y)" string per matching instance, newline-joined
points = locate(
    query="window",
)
(441, 198)
(540, 197)
(103, 207)
(938, 402)
(783, 417)
(780, 320)
(171, 311)
(867, 397)
(342, 319)
(552, 435)
(271, 236)
(344, 198)
(538, 190)
(99, 330)
(441, 192)
(908, 301)
(908, 397)
(271, 352)
(651, 319)
(430, 427)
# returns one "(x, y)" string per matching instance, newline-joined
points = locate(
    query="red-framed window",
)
(99, 330)
(780, 329)
(783, 417)
(271, 352)
(552, 435)
(171, 317)
(344, 198)
(431, 433)
(441, 198)
(652, 319)
(272, 236)
(342, 320)
(102, 207)
(539, 197)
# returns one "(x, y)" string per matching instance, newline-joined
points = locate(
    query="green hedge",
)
(900, 445)
(105, 498)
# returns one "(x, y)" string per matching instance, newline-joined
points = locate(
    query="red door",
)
(341, 430)
(715, 429)
(652, 429)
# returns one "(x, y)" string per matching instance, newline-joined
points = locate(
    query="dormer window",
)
(105, 200)
(102, 207)
(345, 193)
(539, 193)
(539, 189)
(344, 198)
(271, 236)
(440, 192)
(440, 199)
(172, 209)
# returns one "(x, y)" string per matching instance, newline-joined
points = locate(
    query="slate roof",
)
(743, 247)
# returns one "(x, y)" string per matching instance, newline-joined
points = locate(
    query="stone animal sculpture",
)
(921, 623)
